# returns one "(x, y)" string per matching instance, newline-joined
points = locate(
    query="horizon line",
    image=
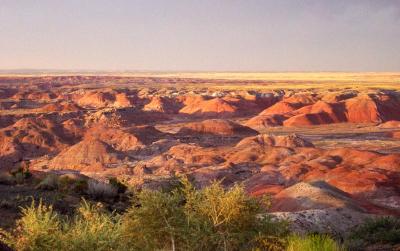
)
(88, 71)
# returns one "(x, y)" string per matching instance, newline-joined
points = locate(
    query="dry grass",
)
(291, 80)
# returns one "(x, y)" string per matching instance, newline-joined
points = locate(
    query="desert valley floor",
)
(325, 147)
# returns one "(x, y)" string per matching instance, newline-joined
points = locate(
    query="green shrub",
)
(24, 171)
(38, 229)
(19, 178)
(121, 187)
(158, 223)
(50, 182)
(208, 219)
(7, 179)
(381, 230)
(65, 183)
(234, 219)
(185, 219)
(80, 186)
(312, 243)
(6, 238)
(92, 228)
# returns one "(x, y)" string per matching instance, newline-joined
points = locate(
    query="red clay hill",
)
(310, 149)
(303, 110)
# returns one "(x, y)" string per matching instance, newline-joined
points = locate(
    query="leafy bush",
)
(185, 219)
(92, 228)
(313, 242)
(121, 187)
(381, 230)
(38, 229)
(157, 223)
(65, 183)
(5, 239)
(21, 174)
(80, 186)
(101, 190)
(206, 219)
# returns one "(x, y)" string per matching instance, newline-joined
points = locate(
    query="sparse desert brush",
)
(6, 203)
(158, 223)
(19, 178)
(21, 174)
(93, 228)
(65, 183)
(186, 218)
(207, 219)
(5, 238)
(101, 190)
(50, 182)
(120, 186)
(7, 179)
(38, 229)
(315, 242)
(81, 186)
(380, 230)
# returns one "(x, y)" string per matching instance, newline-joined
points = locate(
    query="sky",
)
(200, 35)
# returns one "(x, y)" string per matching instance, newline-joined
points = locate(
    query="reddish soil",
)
(308, 149)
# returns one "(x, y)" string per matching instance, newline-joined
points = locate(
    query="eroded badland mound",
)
(217, 126)
(313, 151)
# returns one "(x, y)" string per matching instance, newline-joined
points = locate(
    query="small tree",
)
(93, 228)
(207, 219)
(379, 230)
(232, 219)
(157, 223)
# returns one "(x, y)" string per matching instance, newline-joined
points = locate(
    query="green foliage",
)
(38, 229)
(208, 219)
(63, 184)
(6, 237)
(185, 219)
(381, 230)
(158, 223)
(312, 243)
(50, 182)
(80, 186)
(21, 174)
(121, 187)
(92, 228)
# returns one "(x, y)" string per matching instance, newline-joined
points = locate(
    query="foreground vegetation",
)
(381, 231)
(184, 218)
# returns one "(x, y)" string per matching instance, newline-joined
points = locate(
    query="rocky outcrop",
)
(270, 140)
(217, 127)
